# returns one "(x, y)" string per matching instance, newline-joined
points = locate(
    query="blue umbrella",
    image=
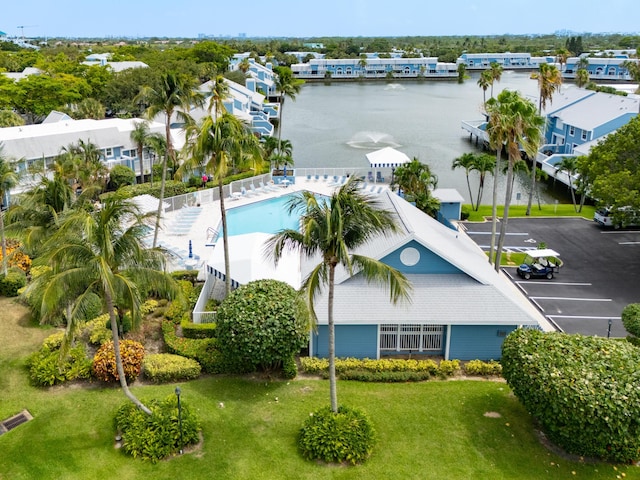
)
(190, 249)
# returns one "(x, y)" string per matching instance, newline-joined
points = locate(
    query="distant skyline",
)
(331, 18)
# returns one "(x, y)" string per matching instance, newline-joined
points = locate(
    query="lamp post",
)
(609, 329)
(178, 392)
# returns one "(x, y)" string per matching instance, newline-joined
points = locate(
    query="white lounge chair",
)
(267, 188)
(254, 190)
(245, 193)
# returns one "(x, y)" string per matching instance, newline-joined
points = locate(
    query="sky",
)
(343, 18)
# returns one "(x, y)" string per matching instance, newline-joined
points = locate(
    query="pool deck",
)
(175, 233)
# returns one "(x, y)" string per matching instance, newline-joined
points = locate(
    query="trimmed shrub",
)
(583, 391)
(181, 305)
(204, 350)
(120, 176)
(154, 437)
(13, 281)
(16, 258)
(190, 275)
(289, 368)
(261, 325)
(379, 370)
(631, 319)
(347, 436)
(478, 367)
(104, 361)
(447, 368)
(46, 368)
(198, 330)
(166, 367)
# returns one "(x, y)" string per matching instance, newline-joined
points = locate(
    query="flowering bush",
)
(104, 361)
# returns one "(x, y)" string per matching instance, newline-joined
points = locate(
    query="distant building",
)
(508, 61)
(104, 59)
(599, 68)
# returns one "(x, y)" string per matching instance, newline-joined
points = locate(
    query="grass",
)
(560, 210)
(430, 430)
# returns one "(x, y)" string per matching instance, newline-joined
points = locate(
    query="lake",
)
(336, 125)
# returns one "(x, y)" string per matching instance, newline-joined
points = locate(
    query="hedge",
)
(204, 351)
(166, 367)
(383, 370)
(583, 391)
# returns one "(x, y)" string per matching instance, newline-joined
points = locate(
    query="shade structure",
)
(387, 158)
(248, 261)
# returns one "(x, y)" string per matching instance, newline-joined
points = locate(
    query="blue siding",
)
(451, 210)
(484, 342)
(429, 262)
(613, 125)
(359, 341)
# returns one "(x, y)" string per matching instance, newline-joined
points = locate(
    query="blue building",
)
(461, 307)
(508, 61)
(599, 68)
(374, 67)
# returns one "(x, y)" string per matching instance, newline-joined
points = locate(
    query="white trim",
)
(447, 347)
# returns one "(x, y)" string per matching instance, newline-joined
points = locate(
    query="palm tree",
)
(513, 122)
(362, 63)
(416, 181)
(466, 161)
(483, 164)
(218, 94)
(333, 229)
(215, 145)
(173, 94)
(562, 54)
(633, 67)
(549, 81)
(8, 180)
(244, 65)
(462, 72)
(100, 251)
(582, 77)
(540, 176)
(496, 74)
(287, 86)
(158, 145)
(569, 165)
(139, 135)
(484, 82)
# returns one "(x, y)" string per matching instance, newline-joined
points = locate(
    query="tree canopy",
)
(611, 171)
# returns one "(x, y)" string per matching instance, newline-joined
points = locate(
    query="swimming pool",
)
(267, 216)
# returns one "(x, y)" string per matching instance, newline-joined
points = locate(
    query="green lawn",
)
(431, 430)
(560, 210)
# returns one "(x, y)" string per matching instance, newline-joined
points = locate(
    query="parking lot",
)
(600, 275)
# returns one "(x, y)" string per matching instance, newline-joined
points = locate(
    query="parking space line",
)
(611, 232)
(628, 243)
(497, 235)
(551, 284)
(584, 317)
(574, 299)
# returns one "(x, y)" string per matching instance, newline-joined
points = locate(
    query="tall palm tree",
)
(484, 82)
(218, 94)
(334, 229)
(569, 165)
(466, 161)
(174, 93)
(8, 180)
(216, 145)
(549, 81)
(101, 252)
(158, 145)
(139, 135)
(483, 164)
(287, 86)
(513, 123)
(496, 74)
(561, 55)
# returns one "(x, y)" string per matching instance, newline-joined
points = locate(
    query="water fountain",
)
(372, 140)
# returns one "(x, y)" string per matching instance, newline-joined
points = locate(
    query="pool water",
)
(267, 216)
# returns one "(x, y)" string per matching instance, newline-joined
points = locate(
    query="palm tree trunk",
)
(573, 193)
(3, 239)
(225, 243)
(140, 154)
(161, 201)
(494, 209)
(333, 391)
(470, 194)
(533, 186)
(116, 348)
(480, 191)
(505, 216)
(280, 127)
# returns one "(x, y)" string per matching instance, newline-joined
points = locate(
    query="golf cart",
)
(540, 264)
